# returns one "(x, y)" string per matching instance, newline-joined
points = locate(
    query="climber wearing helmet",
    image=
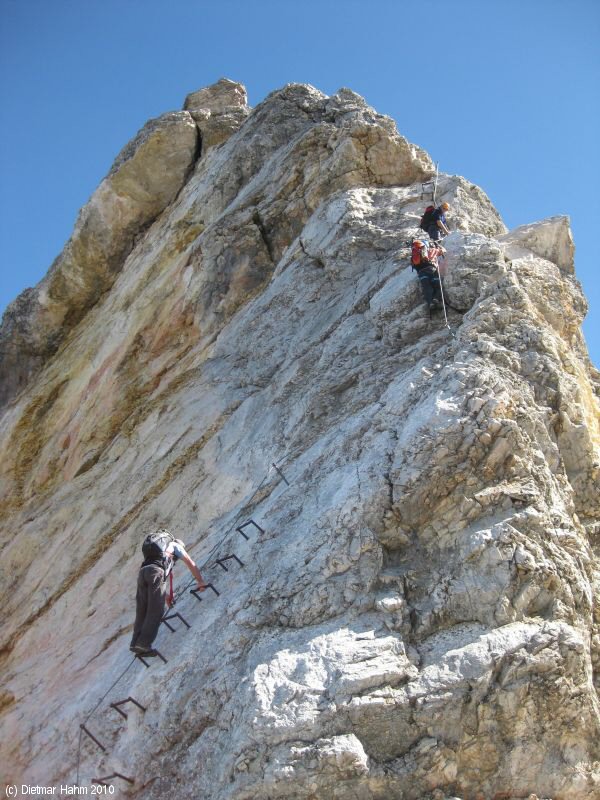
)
(424, 260)
(437, 226)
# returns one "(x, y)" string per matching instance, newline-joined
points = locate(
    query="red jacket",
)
(431, 255)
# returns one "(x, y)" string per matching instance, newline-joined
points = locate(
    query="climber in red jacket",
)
(425, 260)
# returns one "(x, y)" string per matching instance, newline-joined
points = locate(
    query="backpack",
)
(155, 544)
(418, 255)
(426, 218)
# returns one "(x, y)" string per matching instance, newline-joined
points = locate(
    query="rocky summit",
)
(398, 513)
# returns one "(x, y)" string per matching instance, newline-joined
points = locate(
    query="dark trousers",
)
(150, 601)
(434, 232)
(430, 284)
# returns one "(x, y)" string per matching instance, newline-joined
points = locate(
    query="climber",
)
(161, 550)
(437, 223)
(425, 260)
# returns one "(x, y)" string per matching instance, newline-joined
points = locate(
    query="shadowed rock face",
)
(418, 616)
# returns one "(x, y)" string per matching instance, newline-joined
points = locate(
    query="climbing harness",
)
(171, 597)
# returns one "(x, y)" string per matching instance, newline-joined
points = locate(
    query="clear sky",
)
(504, 92)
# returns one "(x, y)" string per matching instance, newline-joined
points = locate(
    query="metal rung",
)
(93, 738)
(196, 593)
(220, 561)
(240, 529)
(427, 188)
(103, 781)
(173, 616)
(274, 465)
(122, 703)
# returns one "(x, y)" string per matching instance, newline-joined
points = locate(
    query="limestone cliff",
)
(233, 332)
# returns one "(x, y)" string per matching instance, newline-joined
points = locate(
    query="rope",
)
(108, 691)
(78, 756)
(436, 181)
(444, 305)
(229, 531)
(237, 519)
(93, 711)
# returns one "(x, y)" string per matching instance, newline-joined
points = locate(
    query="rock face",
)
(218, 110)
(145, 178)
(416, 614)
(550, 239)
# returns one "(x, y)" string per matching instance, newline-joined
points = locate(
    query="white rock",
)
(551, 239)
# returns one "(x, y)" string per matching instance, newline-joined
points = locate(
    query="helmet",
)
(418, 243)
(445, 206)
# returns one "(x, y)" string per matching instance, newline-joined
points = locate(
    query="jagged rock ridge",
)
(419, 613)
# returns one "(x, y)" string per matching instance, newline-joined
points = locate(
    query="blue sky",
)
(504, 93)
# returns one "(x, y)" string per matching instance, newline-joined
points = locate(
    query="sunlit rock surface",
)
(145, 178)
(418, 616)
(218, 110)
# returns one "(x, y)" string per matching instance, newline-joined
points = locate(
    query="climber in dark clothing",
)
(437, 226)
(428, 274)
(152, 596)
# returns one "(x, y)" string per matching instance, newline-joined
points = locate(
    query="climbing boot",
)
(144, 652)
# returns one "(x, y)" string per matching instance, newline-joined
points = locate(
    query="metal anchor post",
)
(104, 781)
(93, 738)
(220, 561)
(145, 663)
(274, 465)
(240, 528)
(196, 593)
(122, 703)
(173, 616)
